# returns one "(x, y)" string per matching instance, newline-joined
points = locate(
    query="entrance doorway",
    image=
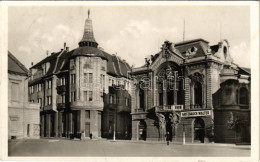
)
(87, 129)
(142, 130)
(199, 130)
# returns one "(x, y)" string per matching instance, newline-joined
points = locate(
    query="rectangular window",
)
(86, 95)
(49, 84)
(90, 97)
(13, 125)
(28, 130)
(63, 98)
(111, 99)
(37, 87)
(85, 77)
(15, 92)
(160, 99)
(40, 101)
(87, 114)
(90, 78)
(40, 87)
(126, 101)
(73, 78)
(49, 100)
(63, 81)
(71, 96)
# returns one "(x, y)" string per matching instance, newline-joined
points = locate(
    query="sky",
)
(131, 32)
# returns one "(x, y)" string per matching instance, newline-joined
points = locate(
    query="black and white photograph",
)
(170, 81)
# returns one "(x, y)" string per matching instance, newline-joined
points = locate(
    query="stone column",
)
(56, 126)
(70, 123)
(82, 120)
(187, 93)
(78, 121)
(60, 126)
(42, 125)
(48, 125)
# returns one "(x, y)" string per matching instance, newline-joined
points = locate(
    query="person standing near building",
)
(167, 136)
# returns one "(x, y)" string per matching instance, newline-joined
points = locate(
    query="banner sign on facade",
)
(196, 113)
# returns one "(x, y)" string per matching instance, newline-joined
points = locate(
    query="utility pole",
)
(184, 29)
(114, 135)
(220, 30)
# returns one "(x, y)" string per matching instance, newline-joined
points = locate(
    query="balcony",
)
(61, 106)
(168, 108)
(123, 109)
(140, 110)
(61, 88)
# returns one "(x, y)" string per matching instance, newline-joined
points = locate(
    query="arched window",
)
(243, 99)
(141, 98)
(160, 93)
(197, 94)
(170, 96)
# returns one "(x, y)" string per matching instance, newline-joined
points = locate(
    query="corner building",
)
(194, 91)
(72, 87)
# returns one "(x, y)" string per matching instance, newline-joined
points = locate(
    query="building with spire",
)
(82, 91)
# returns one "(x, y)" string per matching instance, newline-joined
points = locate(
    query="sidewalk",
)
(188, 144)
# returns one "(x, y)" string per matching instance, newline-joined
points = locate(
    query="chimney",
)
(67, 48)
(64, 45)
(32, 63)
(47, 53)
(52, 53)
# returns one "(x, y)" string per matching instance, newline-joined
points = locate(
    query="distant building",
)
(23, 117)
(193, 90)
(78, 91)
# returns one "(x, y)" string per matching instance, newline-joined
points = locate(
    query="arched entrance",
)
(142, 130)
(199, 130)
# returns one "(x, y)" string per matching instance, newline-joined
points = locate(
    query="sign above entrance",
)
(196, 113)
(169, 108)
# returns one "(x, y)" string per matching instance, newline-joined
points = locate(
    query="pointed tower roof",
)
(88, 35)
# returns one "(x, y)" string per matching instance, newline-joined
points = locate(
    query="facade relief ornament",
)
(161, 124)
(197, 77)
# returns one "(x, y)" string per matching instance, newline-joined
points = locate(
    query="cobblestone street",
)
(101, 148)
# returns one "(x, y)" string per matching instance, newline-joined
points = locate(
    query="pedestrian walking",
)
(91, 135)
(167, 136)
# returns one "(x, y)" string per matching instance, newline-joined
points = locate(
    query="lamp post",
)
(183, 133)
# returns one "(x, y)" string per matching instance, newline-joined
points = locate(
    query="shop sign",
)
(196, 113)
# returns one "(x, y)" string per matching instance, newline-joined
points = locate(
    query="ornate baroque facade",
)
(194, 91)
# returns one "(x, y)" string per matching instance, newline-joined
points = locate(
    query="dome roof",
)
(89, 52)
